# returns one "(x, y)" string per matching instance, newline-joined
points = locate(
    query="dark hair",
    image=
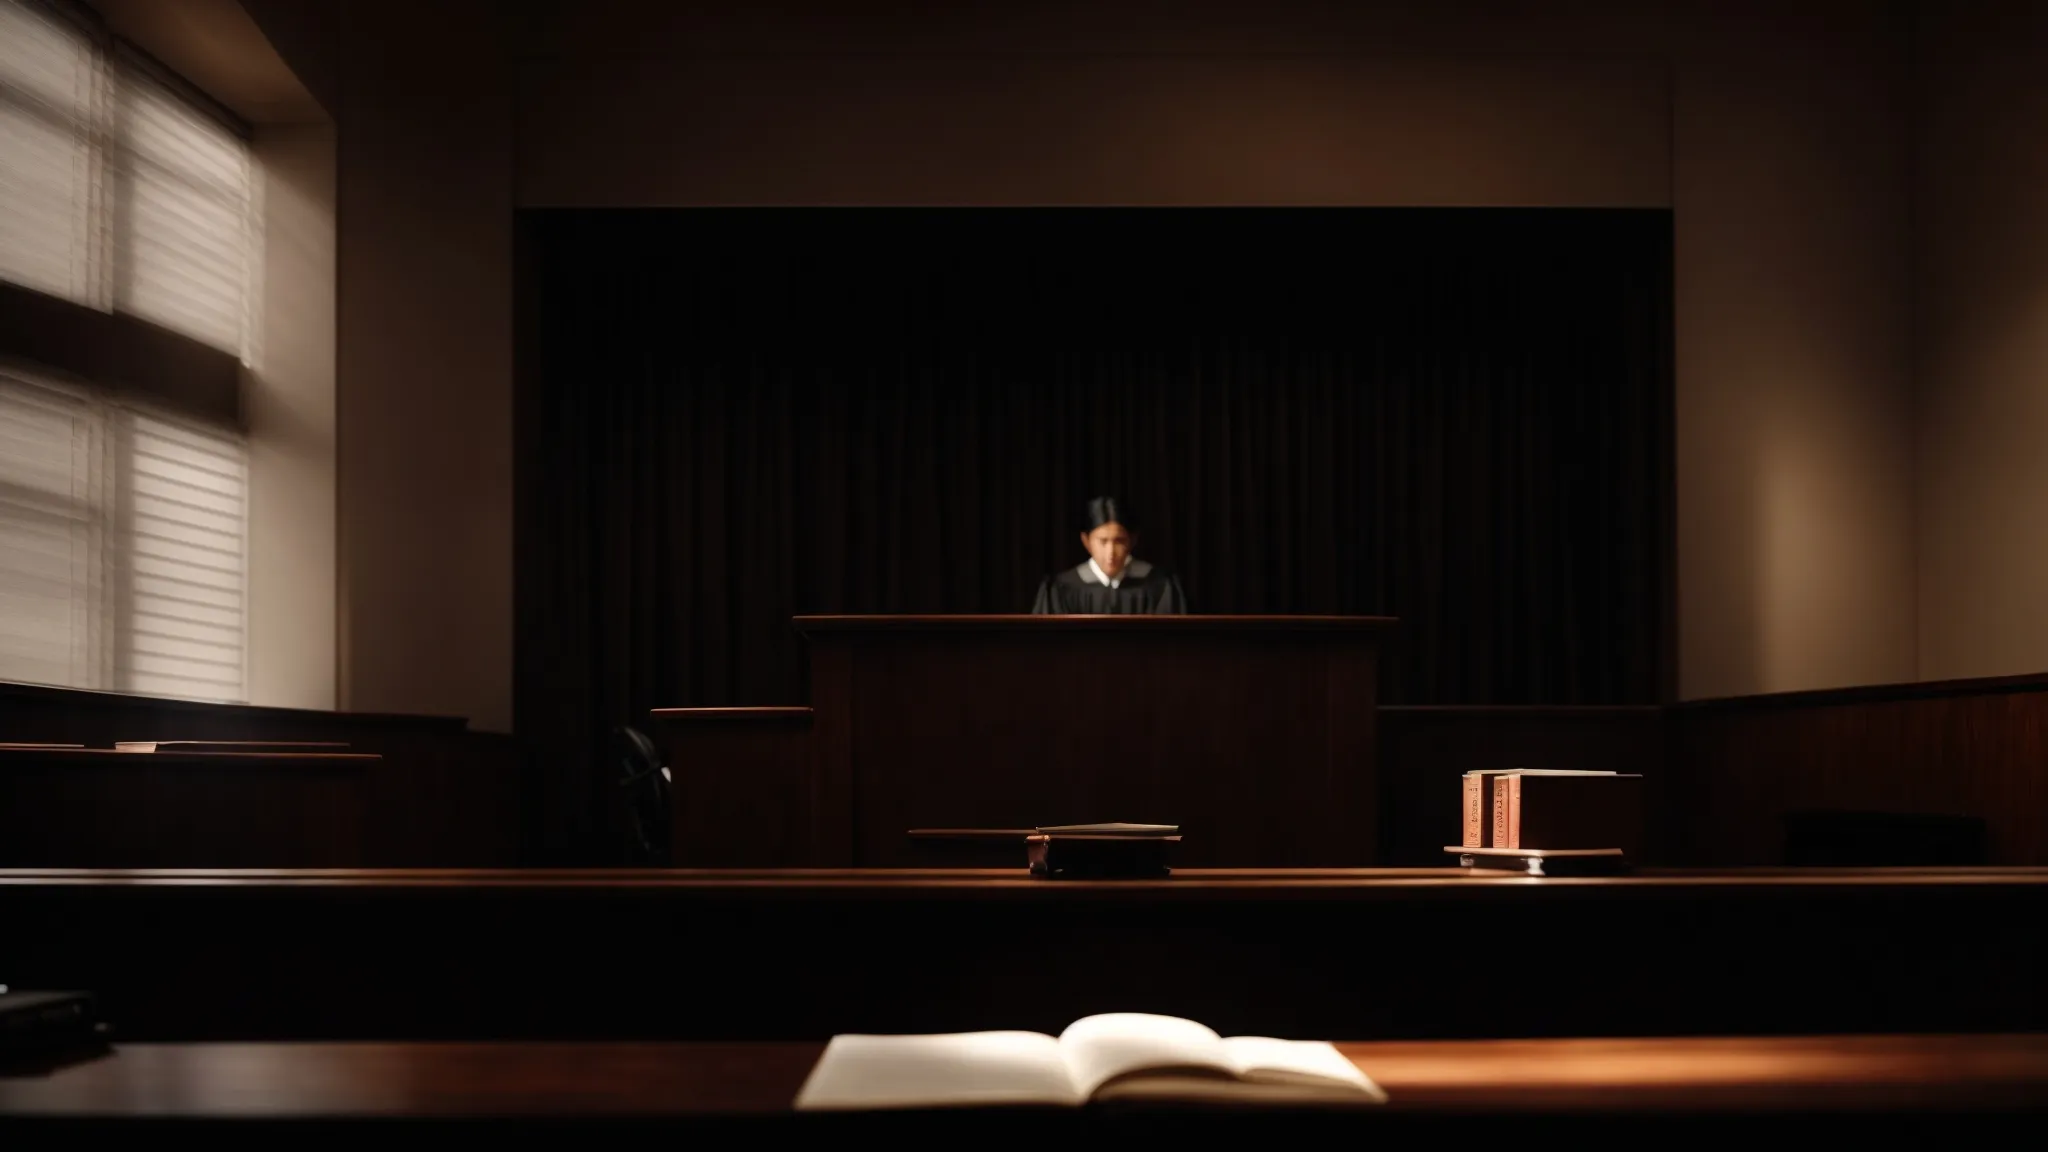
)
(1107, 510)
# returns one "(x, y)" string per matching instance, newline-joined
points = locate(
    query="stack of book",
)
(1546, 821)
(1101, 851)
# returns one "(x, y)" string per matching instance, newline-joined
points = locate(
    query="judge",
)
(1111, 581)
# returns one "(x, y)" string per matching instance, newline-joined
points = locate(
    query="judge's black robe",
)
(1144, 590)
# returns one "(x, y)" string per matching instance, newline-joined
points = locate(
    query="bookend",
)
(1543, 861)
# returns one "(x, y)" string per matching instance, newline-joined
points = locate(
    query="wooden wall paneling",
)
(741, 782)
(176, 810)
(1223, 725)
(1354, 765)
(443, 796)
(1973, 748)
(831, 763)
(1723, 775)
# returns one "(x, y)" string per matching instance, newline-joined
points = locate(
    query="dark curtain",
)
(727, 417)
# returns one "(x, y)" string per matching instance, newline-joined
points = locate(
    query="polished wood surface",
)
(1181, 625)
(702, 715)
(777, 955)
(1254, 734)
(86, 759)
(1693, 1074)
(1710, 1074)
(1016, 884)
(435, 793)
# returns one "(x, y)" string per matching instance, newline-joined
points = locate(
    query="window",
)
(123, 544)
(53, 113)
(122, 524)
(182, 215)
(54, 620)
(119, 192)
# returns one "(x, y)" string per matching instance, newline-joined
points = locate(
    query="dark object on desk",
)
(1133, 830)
(645, 784)
(1082, 852)
(1545, 861)
(996, 847)
(38, 1025)
(1594, 810)
(1883, 840)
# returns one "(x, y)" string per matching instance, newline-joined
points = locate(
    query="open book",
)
(1130, 1056)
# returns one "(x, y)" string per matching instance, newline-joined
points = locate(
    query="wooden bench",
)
(1366, 954)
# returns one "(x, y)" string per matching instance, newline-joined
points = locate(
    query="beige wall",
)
(1775, 131)
(1159, 130)
(425, 366)
(288, 391)
(1981, 231)
(623, 102)
(422, 530)
(1794, 433)
(288, 403)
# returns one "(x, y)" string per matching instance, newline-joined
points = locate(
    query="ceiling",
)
(218, 47)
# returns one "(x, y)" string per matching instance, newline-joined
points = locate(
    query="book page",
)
(1101, 1048)
(954, 1070)
(1307, 1063)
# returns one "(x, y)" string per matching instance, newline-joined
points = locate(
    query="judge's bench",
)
(1255, 734)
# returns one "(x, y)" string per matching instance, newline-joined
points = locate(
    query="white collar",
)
(1092, 573)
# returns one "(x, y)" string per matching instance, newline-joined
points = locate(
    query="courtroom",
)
(1039, 569)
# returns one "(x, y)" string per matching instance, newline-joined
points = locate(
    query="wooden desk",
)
(1254, 733)
(800, 955)
(1437, 1086)
(436, 793)
(182, 809)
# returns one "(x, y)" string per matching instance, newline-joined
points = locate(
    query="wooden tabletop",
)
(1869, 1074)
(1203, 884)
(928, 879)
(1173, 625)
(71, 756)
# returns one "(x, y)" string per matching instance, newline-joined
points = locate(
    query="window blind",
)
(182, 568)
(182, 223)
(54, 100)
(123, 545)
(54, 609)
(118, 191)
(123, 528)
